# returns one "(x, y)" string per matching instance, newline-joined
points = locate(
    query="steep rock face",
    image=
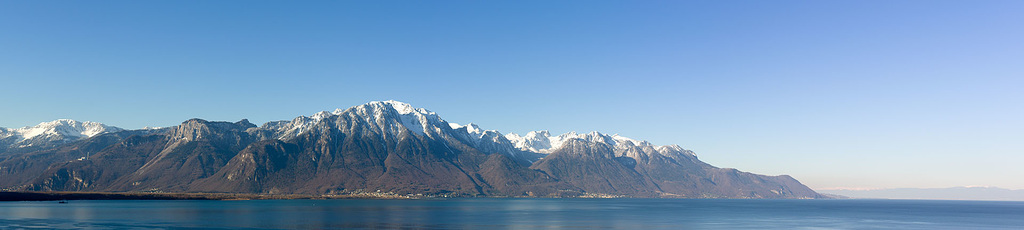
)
(195, 149)
(99, 172)
(167, 161)
(20, 169)
(594, 168)
(377, 146)
(260, 167)
(490, 141)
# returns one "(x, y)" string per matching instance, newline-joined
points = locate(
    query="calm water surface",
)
(515, 214)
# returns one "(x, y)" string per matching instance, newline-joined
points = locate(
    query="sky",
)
(838, 94)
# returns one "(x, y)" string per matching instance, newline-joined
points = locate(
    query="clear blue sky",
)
(874, 94)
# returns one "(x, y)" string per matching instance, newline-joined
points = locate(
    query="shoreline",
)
(61, 195)
(56, 196)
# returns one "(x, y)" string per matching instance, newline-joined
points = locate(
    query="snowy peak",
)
(625, 140)
(66, 127)
(386, 116)
(403, 108)
(592, 136)
(476, 135)
(472, 129)
(543, 142)
(535, 141)
(289, 129)
(417, 120)
(61, 130)
(321, 115)
(5, 132)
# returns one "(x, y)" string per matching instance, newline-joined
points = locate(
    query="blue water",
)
(515, 214)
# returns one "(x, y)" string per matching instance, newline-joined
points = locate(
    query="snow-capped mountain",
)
(543, 142)
(535, 141)
(386, 116)
(423, 122)
(382, 145)
(392, 117)
(53, 132)
(290, 129)
(487, 140)
(383, 115)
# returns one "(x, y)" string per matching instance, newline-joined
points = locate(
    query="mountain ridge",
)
(387, 146)
(52, 132)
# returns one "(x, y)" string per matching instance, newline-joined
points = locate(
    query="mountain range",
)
(381, 146)
(48, 134)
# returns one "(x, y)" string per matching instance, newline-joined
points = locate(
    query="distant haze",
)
(956, 193)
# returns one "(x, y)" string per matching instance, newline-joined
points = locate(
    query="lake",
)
(495, 213)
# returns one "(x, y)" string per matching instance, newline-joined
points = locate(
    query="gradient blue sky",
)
(855, 94)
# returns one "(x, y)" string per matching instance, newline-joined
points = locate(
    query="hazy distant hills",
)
(387, 146)
(955, 193)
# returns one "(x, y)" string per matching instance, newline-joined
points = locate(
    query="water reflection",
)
(514, 214)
